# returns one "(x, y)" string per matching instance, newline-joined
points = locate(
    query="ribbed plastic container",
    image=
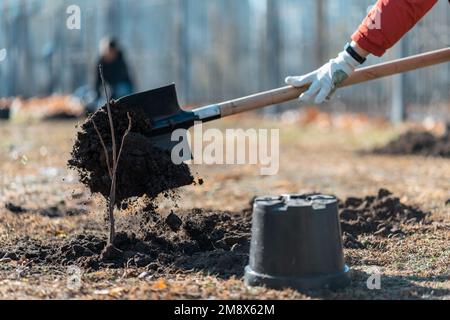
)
(297, 243)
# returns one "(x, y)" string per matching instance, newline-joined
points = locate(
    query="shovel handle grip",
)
(289, 93)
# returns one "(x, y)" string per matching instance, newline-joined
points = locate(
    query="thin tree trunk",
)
(216, 54)
(321, 37)
(112, 22)
(181, 52)
(111, 204)
(273, 47)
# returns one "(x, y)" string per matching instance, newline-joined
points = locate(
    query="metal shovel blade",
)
(155, 104)
(161, 107)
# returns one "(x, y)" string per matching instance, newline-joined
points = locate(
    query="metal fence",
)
(212, 49)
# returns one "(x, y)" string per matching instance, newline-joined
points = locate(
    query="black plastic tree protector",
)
(296, 243)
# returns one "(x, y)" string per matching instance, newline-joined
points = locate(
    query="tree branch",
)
(111, 123)
(123, 141)
(104, 149)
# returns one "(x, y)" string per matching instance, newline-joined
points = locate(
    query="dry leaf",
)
(160, 285)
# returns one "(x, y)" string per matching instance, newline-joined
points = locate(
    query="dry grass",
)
(313, 158)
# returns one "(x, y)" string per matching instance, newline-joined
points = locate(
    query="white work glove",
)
(325, 80)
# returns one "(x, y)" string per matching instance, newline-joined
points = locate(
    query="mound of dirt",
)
(383, 215)
(213, 242)
(57, 211)
(143, 169)
(418, 143)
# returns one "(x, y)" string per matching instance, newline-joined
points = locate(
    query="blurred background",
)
(214, 50)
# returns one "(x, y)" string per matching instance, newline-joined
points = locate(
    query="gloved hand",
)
(325, 80)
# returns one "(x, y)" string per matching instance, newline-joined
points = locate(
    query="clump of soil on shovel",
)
(143, 169)
(380, 215)
(418, 143)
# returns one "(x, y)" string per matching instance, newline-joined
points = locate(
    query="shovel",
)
(162, 108)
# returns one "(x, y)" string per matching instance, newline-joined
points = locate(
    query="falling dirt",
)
(212, 242)
(418, 143)
(143, 169)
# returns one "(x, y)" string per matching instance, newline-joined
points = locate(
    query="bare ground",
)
(313, 158)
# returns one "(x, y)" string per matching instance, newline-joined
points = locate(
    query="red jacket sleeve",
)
(388, 22)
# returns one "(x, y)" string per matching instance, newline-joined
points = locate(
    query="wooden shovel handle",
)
(289, 93)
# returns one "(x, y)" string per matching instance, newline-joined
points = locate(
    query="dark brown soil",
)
(418, 143)
(381, 215)
(143, 170)
(212, 242)
(61, 116)
(57, 211)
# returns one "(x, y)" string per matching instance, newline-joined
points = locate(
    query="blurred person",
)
(115, 71)
(384, 26)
